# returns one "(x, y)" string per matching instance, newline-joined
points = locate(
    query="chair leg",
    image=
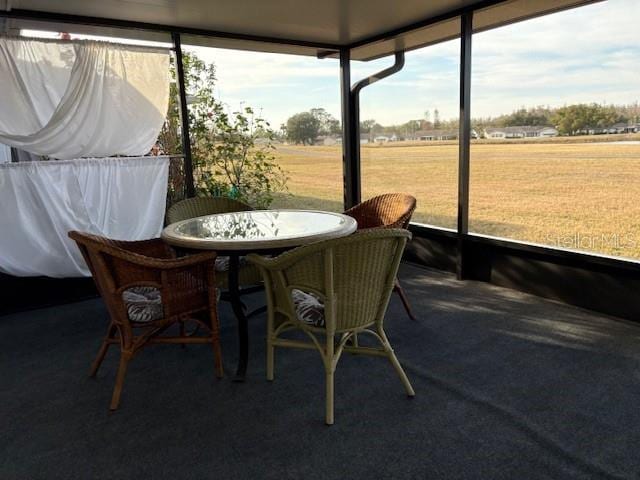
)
(396, 364)
(217, 358)
(215, 343)
(95, 366)
(125, 357)
(271, 352)
(182, 333)
(405, 301)
(271, 349)
(329, 373)
(329, 369)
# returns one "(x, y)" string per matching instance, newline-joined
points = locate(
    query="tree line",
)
(569, 119)
(307, 127)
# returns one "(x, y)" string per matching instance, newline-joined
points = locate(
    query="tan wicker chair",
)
(391, 210)
(200, 206)
(333, 291)
(146, 291)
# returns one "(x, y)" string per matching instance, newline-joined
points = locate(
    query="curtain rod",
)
(80, 41)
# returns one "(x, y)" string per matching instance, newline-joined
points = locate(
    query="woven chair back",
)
(201, 206)
(355, 274)
(390, 210)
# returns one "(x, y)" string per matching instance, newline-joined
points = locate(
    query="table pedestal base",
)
(238, 310)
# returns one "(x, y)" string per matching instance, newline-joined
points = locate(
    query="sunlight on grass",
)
(573, 195)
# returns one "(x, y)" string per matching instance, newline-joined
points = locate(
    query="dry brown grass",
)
(582, 196)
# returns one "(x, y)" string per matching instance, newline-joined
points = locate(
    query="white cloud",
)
(280, 85)
(588, 54)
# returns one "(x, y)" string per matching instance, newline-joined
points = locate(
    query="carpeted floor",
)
(509, 386)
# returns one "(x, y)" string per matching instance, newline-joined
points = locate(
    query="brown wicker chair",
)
(390, 210)
(146, 291)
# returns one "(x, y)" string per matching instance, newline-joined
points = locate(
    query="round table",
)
(258, 231)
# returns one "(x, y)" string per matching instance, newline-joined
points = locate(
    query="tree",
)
(226, 158)
(282, 133)
(436, 118)
(370, 127)
(329, 125)
(573, 119)
(535, 117)
(303, 128)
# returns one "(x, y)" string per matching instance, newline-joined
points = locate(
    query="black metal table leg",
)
(236, 305)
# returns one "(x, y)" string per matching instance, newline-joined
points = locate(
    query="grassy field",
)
(583, 196)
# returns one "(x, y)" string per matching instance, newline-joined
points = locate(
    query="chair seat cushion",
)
(309, 308)
(144, 304)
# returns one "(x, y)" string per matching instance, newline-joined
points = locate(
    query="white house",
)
(438, 134)
(524, 131)
(618, 128)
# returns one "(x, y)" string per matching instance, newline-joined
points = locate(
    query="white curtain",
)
(5, 153)
(77, 99)
(120, 198)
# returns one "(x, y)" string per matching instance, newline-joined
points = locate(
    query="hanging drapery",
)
(121, 198)
(5, 153)
(77, 99)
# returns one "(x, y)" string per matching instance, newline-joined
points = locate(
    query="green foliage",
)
(232, 162)
(569, 120)
(232, 152)
(329, 125)
(371, 128)
(534, 117)
(303, 128)
(576, 118)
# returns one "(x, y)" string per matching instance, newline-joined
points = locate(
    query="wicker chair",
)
(391, 210)
(333, 291)
(201, 206)
(146, 291)
(248, 274)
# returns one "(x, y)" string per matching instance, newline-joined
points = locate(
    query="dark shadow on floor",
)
(509, 386)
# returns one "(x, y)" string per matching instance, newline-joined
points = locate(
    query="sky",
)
(584, 55)
(589, 54)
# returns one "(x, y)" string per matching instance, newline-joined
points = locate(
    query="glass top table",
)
(258, 230)
(238, 233)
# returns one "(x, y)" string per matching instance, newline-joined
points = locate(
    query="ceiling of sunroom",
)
(320, 24)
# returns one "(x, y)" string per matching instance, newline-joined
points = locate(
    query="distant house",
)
(525, 131)
(328, 140)
(364, 138)
(438, 134)
(594, 131)
(617, 128)
(381, 139)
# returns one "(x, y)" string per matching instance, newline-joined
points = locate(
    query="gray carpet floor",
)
(509, 386)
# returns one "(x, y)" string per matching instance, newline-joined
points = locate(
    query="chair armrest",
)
(302, 268)
(143, 260)
(155, 247)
